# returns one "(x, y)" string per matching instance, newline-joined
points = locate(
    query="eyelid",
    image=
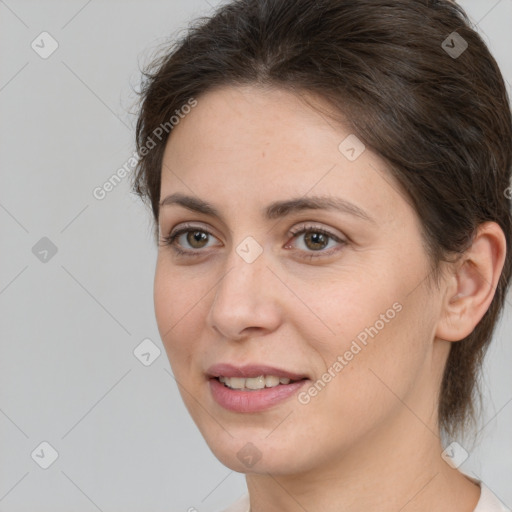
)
(170, 239)
(190, 227)
(295, 232)
(314, 228)
(311, 226)
(306, 225)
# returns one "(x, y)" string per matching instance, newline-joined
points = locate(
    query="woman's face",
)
(333, 297)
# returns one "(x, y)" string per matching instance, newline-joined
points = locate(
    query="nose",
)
(246, 299)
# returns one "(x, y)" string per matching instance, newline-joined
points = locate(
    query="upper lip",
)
(250, 370)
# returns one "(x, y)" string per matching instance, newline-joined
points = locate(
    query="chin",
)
(246, 453)
(249, 459)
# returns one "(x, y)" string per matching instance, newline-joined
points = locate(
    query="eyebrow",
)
(275, 210)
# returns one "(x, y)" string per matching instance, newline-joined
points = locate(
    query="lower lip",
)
(252, 401)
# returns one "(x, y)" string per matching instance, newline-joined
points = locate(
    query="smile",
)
(252, 388)
(254, 383)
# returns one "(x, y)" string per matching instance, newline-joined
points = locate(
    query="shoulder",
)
(488, 501)
(241, 505)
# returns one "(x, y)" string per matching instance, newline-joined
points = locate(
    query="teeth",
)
(271, 381)
(253, 383)
(233, 382)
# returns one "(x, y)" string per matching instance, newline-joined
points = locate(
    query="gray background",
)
(69, 325)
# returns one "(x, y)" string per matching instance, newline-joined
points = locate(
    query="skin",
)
(370, 439)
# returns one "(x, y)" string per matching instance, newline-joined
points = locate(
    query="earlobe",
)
(472, 284)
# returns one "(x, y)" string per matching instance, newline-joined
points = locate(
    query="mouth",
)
(253, 388)
(255, 383)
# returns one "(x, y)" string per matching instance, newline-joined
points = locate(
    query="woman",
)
(334, 235)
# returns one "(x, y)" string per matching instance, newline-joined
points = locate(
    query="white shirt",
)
(488, 502)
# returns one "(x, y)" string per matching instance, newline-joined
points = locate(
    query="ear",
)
(472, 285)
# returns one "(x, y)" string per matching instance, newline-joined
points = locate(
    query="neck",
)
(399, 468)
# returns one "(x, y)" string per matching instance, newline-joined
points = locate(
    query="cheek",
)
(379, 348)
(174, 302)
(163, 292)
(174, 295)
(382, 365)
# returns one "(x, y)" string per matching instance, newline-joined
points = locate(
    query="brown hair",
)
(441, 121)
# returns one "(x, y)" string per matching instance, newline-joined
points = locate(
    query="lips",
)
(251, 371)
(252, 388)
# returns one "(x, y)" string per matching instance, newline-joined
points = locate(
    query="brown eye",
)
(197, 239)
(315, 240)
(189, 240)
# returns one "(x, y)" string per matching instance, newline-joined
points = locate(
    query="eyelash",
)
(170, 239)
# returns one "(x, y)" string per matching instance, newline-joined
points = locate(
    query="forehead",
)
(246, 144)
(256, 117)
